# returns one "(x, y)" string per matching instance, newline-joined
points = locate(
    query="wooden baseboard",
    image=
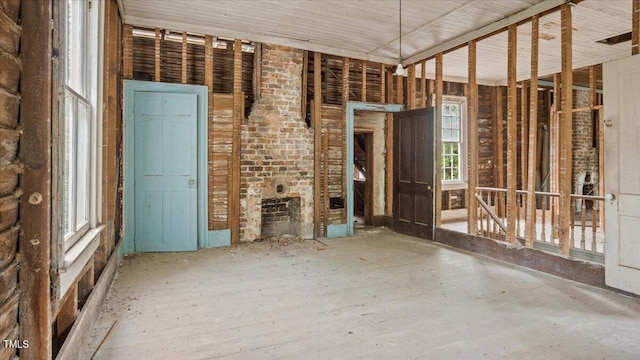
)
(79, 333)
(383, 220)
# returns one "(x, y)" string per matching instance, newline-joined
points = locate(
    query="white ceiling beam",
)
(486, 30)
(258, 37)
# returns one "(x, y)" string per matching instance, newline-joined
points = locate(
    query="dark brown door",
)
(413, 149)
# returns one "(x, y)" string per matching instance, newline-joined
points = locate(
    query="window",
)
(453, 116)
(79, 134)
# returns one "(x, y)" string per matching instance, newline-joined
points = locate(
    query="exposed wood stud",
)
(208, 82)
(383, 85)
(184, 57)
(35, 149)
(389, 143)
(524, 131)
(411, 84)
(305, 80)
(316, 108)
(157, 56)
(512, 134)
(389, 92)
(635, 28)
(234, 201)
(595, 109)
(127, 51)
(499, 139)
(111, 131)
(400, 89)
(533, 136)
(423, 84)
(438, 163)
(364, 80)
(257, 75)
(566, 131)
(472, 223)
(389, 165)
(593, 95)
(554, 132)
(494, 137)
(325, 178)
(345, 100)
(67, 313)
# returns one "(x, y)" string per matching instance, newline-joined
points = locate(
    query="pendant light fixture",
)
(399, 68)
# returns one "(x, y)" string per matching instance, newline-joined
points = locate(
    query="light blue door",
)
(166, 181)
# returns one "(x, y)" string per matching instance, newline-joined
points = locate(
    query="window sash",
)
(452, 141)
(77, 167)
(76, 59)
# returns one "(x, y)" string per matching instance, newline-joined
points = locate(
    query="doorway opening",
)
(363, 179)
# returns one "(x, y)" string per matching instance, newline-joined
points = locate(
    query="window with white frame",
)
(79, 128)
(453, 149)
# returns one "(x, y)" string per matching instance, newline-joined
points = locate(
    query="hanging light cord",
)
(400, 30)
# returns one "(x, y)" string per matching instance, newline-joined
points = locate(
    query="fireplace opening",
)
(280, 216)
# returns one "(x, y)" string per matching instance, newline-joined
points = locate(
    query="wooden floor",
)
(377, 295)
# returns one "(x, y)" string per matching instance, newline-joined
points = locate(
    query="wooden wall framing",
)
(512, 137)
(35, 150)
(566, 132)
(472, 218)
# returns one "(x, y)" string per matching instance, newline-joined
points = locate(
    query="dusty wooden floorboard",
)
(381, 295)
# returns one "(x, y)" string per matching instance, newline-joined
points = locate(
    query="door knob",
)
(609, 197)
(192, 182)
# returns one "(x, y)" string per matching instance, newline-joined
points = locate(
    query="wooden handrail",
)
(540, 193)
(491, 213)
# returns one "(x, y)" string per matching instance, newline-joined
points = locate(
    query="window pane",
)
(446, 135)
(454, 109)
(76, 48)
(446, 122)
(455, 122)
(68, 177)
(83, 169)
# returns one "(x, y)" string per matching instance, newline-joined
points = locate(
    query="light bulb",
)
(399, 70)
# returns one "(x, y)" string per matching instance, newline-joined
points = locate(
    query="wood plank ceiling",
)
(368, 29)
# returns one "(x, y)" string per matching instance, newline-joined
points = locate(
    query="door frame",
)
(342, 230)
(130, 88)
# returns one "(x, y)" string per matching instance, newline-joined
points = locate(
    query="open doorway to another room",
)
(369, 169)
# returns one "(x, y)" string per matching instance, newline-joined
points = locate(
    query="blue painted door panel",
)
(165, 171)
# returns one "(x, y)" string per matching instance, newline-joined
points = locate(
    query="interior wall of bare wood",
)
(10, 168)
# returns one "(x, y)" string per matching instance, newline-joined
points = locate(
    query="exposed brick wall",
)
(10, 33)
(585, 156)
(277, 145)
